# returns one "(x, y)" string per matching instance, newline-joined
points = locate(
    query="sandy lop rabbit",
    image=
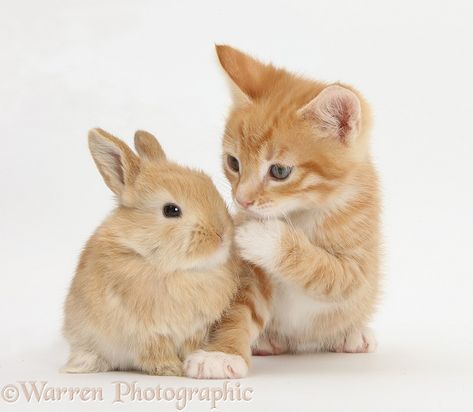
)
(157, 273)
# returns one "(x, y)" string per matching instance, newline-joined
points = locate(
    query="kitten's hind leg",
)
(85, 361)
(357, 341)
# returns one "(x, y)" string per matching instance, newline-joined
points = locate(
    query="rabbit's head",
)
(171, 215)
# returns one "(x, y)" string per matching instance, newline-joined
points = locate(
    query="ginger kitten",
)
(296, 153)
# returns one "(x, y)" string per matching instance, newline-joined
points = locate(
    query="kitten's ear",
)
(116, 162)
(248, 76)
(336, 112)
(148, 147)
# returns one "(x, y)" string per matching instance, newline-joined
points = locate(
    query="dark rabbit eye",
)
(233, 163)
(171, 210)
(280, 172)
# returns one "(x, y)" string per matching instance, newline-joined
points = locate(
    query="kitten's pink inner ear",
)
(335, 111)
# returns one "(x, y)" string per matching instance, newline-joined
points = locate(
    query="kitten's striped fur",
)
(310, 279)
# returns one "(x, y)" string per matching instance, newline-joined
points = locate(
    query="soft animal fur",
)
(311, 239)
(148, 286)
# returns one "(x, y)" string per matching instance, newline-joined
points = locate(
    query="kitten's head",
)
(290, 144)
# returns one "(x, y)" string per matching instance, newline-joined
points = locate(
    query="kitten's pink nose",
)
(245, 204)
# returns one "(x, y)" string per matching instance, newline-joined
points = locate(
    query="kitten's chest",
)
(293, 311)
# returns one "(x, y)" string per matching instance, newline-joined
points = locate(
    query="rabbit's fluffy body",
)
(148, 287)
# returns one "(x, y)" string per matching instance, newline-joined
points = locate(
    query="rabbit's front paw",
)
(165, 369)
(83, 361)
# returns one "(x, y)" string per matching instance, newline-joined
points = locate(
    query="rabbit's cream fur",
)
(148, 287)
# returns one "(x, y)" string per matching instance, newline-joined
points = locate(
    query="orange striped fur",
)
(311, 242)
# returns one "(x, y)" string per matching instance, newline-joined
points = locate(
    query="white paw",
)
(264, 346)
(359, 341)
(259, 242)
(214, 365)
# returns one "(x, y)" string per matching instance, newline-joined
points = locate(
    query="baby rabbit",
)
(157, 273)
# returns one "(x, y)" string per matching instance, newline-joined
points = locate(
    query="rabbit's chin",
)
(218, 258)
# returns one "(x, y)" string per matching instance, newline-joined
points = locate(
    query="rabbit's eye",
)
(233, 163)
(171, 210)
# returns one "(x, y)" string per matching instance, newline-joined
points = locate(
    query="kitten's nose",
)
(244, 203)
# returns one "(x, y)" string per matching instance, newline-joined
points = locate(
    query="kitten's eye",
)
(233, 163)
(171, 210)
(280, 172)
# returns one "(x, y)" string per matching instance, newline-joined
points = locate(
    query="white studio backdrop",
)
(68, 66)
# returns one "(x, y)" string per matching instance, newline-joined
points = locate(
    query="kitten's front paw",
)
(259, 242)
(214, 365)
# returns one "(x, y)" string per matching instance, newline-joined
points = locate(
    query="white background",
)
(67, 66)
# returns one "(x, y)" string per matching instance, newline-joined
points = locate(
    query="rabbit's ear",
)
(148, 147)
(117, 164)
